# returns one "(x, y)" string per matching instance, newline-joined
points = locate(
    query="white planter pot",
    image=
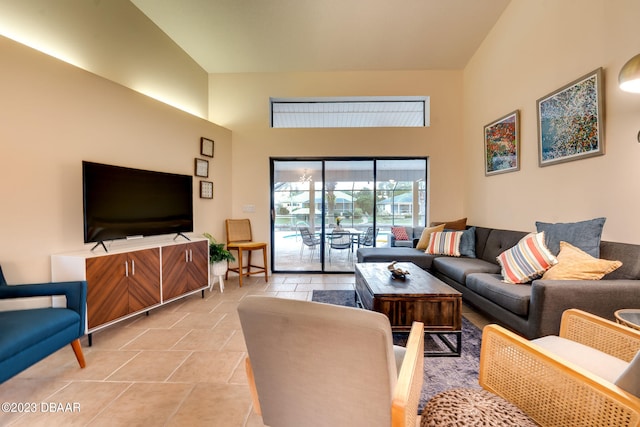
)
(218, 269)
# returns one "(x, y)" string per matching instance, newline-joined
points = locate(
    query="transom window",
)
(353, 112)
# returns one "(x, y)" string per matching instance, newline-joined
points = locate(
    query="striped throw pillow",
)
(526, 261)
(445, 243)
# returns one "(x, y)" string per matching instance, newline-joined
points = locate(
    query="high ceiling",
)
(236, 36)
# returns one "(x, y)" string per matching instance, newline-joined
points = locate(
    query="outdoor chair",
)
(240, 239)
(314, 364)
(340, 241)
(588, 375)
(368, 238)
(309, 240)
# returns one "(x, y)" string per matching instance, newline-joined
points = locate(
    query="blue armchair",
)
(28, 336)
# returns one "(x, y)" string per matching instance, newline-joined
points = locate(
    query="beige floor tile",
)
(21, 390)
(203, 339)
(199, 321)
(144, 405)
(156, 339)
(113, 337)
(157, 319)
(207, 367)
(84, 399)
(235, 343)
(214, 405)
(100, 364)
(150, 366)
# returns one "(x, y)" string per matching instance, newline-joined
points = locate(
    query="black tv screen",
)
(121, 202)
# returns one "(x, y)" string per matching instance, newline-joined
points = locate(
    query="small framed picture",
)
(570, 121)
(202, 168)
(206, 147)
(206, 190)
(502, 145)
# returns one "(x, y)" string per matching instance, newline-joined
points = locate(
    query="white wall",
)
(54, 115)
(536, 47)
(241, 102)
(111, 38)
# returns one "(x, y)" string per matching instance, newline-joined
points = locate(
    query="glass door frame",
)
(323, 208)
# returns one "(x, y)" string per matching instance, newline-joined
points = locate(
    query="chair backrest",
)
(307, 238)
(238, 230)
(369, 237)
(340, 240)
(319, 364)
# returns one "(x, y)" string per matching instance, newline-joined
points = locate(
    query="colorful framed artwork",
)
(502, 145)
(570, 121)
(206, 147)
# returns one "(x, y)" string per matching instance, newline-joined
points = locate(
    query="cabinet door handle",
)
(133, 268)
(126, 269)
(190, 255)
(186, 255)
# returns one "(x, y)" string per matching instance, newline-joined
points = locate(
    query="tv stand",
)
(132, 280)
(180, 234)
(101, 242)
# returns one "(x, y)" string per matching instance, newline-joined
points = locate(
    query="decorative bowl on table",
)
(397, 272)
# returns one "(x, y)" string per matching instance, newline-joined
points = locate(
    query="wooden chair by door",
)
(240, 239)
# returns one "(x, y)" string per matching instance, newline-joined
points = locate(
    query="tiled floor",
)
(182, 365)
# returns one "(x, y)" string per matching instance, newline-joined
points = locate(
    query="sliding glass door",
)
(323, 210)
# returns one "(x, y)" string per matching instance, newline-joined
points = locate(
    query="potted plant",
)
(218, 256)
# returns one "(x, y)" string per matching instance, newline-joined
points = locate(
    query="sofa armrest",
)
(550, 298)
(602, 334)
(75, 292)
(549, 389)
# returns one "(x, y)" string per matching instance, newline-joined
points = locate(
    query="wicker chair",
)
(555, 391)
(240, 239)
(313, 364)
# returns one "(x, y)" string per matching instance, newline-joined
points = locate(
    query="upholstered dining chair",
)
(240, 239)
(587, 375)
(314, 364)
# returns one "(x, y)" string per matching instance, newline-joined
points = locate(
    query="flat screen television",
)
(120, 202)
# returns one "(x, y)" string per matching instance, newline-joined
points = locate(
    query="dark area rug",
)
(440, 373)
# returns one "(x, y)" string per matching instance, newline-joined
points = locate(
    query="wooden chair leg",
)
(264, 256)
(77, 349)
(240, 266)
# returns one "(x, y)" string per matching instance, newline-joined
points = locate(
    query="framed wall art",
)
(570, 121)
(206, 147)
(502, 145)
(201, 168)
(206, 190)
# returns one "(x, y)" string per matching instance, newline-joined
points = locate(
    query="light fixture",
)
(305, 178)
(629, 77)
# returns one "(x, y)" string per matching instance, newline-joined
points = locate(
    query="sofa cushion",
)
(413, 255)
(426, 236)
(444, 243)
(468, 243)
(459, 224)
(527, 260)
(595, 361)
(22, 329)
(583, 234)
(496, 241)
(574, 264)
(515, 298)
(400, 233)
(458, 268)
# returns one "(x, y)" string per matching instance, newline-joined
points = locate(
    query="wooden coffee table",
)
(420, 297)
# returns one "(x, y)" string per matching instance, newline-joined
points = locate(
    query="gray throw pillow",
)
(468, 243)
(585, 235)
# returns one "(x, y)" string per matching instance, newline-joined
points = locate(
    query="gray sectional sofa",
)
(532, 310)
